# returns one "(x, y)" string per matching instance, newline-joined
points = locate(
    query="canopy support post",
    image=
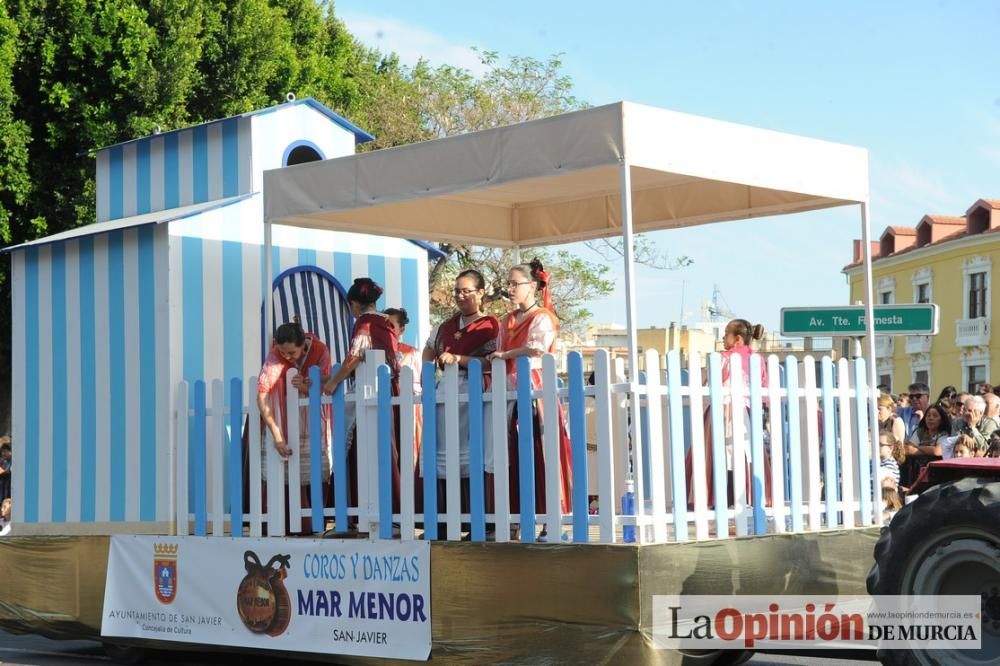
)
(870, 360)
(628, 252)
(516, 251)
(635, 471)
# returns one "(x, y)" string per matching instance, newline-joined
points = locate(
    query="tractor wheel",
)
(946, 542)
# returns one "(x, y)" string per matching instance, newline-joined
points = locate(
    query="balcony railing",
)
(918, 344)
(883, 346)
(972, 332)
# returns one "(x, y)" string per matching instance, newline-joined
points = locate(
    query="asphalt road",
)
(17, 650)
(27, 650)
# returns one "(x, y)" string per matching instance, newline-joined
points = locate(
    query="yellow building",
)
(948, 261)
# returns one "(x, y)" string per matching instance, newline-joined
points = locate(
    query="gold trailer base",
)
(495, 603)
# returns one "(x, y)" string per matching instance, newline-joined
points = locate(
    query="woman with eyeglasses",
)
(294, 348)
(530, 330)
(468, 335)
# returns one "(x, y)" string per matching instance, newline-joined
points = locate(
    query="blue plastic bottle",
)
(628, 509)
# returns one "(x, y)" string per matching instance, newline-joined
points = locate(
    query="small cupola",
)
(983, 215)
(933, 228)
(897, 239)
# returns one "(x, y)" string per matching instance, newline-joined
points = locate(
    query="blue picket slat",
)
(236, 456)
(647, 483)
(384, 392)
(526, 450)
(758, 469)
(341, 481)
(578, 445)
(428, 444)
(718, 443)
(477, 492)
(862, 436)
(198, 460)
(830, 485)
(316, 450)
(794, 468)
(675, 405)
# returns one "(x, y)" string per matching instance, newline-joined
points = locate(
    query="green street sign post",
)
(916, 319)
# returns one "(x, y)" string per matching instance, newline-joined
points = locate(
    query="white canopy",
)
(559, 179)
(610, 170)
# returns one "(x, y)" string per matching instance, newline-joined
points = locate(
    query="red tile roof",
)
(959, 224)
(950, 220)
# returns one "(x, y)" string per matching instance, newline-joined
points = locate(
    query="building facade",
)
(947, 260)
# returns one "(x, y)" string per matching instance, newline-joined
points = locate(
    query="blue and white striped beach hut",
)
(167, 286)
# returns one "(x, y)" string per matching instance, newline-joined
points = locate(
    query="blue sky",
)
(916, 83)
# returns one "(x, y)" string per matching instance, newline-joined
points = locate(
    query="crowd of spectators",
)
(913, 431)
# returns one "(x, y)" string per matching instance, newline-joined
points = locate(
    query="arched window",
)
(301, 152)
(320, 303)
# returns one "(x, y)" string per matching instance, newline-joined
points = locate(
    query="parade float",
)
(130, 522)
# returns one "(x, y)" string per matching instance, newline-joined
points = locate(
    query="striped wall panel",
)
(196, 165)
(216, 292)
(219, 294)
(208, 162)
(91, 410)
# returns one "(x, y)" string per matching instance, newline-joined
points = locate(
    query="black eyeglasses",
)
(914, 396)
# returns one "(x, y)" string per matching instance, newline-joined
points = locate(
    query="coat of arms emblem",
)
(165, 571)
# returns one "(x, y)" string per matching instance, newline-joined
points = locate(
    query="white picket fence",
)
(823, 465)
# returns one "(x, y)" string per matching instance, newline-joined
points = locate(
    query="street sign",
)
(916, 319)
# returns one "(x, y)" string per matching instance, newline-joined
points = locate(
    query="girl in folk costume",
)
(294, 348)
(736, 349)
(531, 330)
(467, 335)
(409, 357)
(372, 331)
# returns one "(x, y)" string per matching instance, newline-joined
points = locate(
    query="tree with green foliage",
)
(76, 75)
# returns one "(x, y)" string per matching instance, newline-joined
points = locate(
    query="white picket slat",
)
(620, 415)
(738, 414)
(448, 394)
(846, 444)
(275, 487)
(657, 442)
(777, 443)
(607, 461)
(407, 463)
(292, 438)
(254, 456)
(550, 449)
(501, 461)
(814, 486)
(697, 449)
(181, 459)
(366, 444)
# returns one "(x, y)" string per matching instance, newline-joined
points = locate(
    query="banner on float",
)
(325, 596)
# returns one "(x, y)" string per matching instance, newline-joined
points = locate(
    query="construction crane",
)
(714, 311)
